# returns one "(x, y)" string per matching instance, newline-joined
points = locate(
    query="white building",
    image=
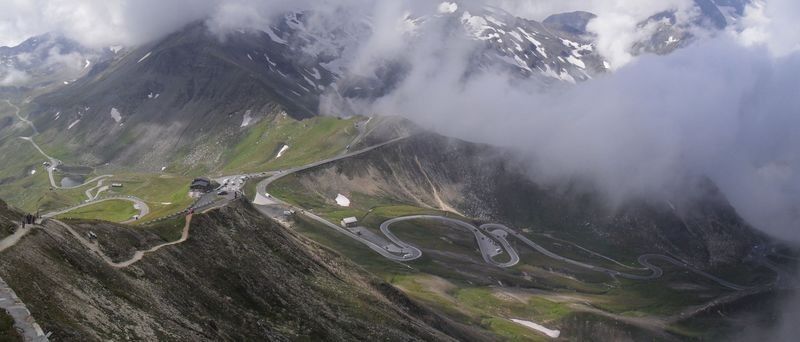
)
(349, 222)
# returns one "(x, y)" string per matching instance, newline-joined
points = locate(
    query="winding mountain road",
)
(137, 256)
(261, 188)
(17, 111)
(262, 198)
(487, 246)
(54, 163)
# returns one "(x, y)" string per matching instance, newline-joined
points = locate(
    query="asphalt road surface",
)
(487, 246)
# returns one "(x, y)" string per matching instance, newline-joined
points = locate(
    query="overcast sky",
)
(106, 22)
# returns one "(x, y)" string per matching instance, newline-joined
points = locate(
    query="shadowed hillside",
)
(238, 277)
(485, 183)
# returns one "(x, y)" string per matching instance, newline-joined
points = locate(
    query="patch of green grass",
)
(289, 189)
(29, 191)
(164, 194)
(657, 297)
(17, 185)
(540, 309)
(112, 211)
(413, 286)
(480, 306)
(309, 140)
(169, 230)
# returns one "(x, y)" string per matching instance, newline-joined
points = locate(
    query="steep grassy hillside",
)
(112, 211)
(238, 277)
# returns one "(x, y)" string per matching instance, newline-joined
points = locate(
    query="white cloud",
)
(97, 23)
(12, 77)
(716, 109)
(771, 24)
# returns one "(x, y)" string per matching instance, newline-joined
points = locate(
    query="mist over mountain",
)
(617, 130)
(484, 74)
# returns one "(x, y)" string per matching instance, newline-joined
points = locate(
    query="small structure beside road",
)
(350, 222)
(200, 186)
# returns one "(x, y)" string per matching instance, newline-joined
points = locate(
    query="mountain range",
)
(193, 86)
(248, 107)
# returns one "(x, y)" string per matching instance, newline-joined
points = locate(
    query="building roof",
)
(350, 220)
(200, 182)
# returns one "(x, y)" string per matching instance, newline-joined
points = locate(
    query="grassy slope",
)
(466, 303)
(617, 296)
(112, 211)
(165, 194)
(309, 140)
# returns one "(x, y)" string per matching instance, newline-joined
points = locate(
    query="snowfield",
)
(116, 115)
(550, 333)
(73, 124)
(342, 201)
(143, 58)
(248, 119)
(282, 151)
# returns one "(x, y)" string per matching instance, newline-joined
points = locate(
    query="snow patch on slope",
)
(73, 124)
(248, 118)
(549, 332)
(275, 37)
(342, 201)
(145, 57)
(282, 151)
(576, 62)
(116, 115)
